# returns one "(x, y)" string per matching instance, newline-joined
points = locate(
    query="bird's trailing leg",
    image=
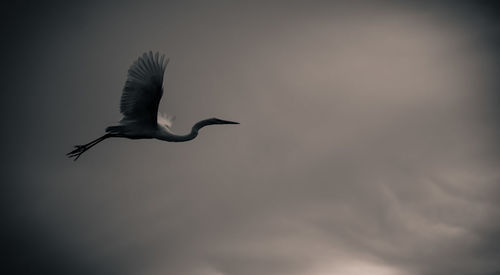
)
(80, 149)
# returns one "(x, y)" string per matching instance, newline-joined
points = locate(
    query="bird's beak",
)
(227, 122)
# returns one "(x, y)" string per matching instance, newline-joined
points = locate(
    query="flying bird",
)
(139, 105)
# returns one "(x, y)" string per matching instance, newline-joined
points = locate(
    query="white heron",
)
(139, 106)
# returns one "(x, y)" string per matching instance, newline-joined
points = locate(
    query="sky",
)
(368, 141)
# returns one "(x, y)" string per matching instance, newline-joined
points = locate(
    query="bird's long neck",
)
(193, 133)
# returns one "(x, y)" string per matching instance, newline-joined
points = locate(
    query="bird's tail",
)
(115, 129)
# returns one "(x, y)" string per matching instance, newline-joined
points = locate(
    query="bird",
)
(139, 103)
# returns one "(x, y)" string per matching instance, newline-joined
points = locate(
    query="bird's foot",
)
(77, 152)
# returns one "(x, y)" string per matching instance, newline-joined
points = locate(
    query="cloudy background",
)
(368, 141)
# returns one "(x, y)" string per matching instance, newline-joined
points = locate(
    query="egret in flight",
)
(139, 106)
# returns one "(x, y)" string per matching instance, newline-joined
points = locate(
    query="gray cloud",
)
(368, 142)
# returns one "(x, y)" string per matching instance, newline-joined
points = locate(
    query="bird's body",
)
(139, 105)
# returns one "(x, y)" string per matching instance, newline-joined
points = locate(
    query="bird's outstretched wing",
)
(143, 89)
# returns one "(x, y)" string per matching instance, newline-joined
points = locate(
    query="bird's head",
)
(221, 121)
(211, 121)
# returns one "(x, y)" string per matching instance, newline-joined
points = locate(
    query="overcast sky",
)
(368, 141)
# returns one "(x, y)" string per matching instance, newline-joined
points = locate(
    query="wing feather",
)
(143, 89)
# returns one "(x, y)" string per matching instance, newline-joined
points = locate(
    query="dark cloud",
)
(368, 142)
